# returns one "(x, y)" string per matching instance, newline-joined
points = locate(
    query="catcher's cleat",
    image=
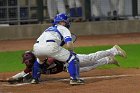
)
(112, 60)
(34, 81)
(77, 82)
(121, 52)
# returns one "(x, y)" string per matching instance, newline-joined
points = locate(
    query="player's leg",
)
(87, 59)
(55, 51)
(93, 65)
(100, 62)
(73, 64)
(39, 51)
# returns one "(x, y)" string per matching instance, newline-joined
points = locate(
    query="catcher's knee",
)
(72, 56)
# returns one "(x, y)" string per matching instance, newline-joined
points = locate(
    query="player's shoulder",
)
(60, 27)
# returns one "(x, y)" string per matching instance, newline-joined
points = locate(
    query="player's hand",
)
(13, 80)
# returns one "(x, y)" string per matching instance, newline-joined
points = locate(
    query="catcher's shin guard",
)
(73, 67)
(36, 72)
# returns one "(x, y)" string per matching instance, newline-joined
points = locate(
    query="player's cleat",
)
(121, 52)
(34, 81)
(112, 60)
(77, 82)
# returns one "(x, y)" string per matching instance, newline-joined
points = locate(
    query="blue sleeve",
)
(67, 39)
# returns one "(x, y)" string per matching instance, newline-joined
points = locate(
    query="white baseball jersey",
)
(57, 34)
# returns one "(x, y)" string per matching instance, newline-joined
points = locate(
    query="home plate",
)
(85, 78)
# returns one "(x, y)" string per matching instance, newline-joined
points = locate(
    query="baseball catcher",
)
(52, 66)
(49, 44)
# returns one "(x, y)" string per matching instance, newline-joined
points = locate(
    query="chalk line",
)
(85, 78)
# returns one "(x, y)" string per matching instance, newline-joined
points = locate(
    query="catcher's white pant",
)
(51, 49)
(117, 5)
(54, 6)
(93, 60)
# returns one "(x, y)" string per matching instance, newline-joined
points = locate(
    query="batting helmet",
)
(28, 58)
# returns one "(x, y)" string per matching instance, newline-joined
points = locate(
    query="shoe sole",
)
(34, 83)
(123, 53)
(77, 83)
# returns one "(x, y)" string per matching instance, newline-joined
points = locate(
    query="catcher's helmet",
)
(61, 17)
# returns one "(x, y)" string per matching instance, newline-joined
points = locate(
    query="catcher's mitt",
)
(74, 37)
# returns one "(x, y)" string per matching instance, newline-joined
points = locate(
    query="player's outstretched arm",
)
(19, 76)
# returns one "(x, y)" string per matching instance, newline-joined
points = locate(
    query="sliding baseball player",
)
(52, 66)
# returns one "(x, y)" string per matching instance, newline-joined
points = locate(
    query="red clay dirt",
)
(128, 82)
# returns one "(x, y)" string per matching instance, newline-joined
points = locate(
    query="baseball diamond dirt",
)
(97, 81)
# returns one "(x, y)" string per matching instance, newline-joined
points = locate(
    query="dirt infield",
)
(126, 80)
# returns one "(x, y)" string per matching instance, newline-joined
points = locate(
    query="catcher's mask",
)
(28, 58)
(62, 17)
